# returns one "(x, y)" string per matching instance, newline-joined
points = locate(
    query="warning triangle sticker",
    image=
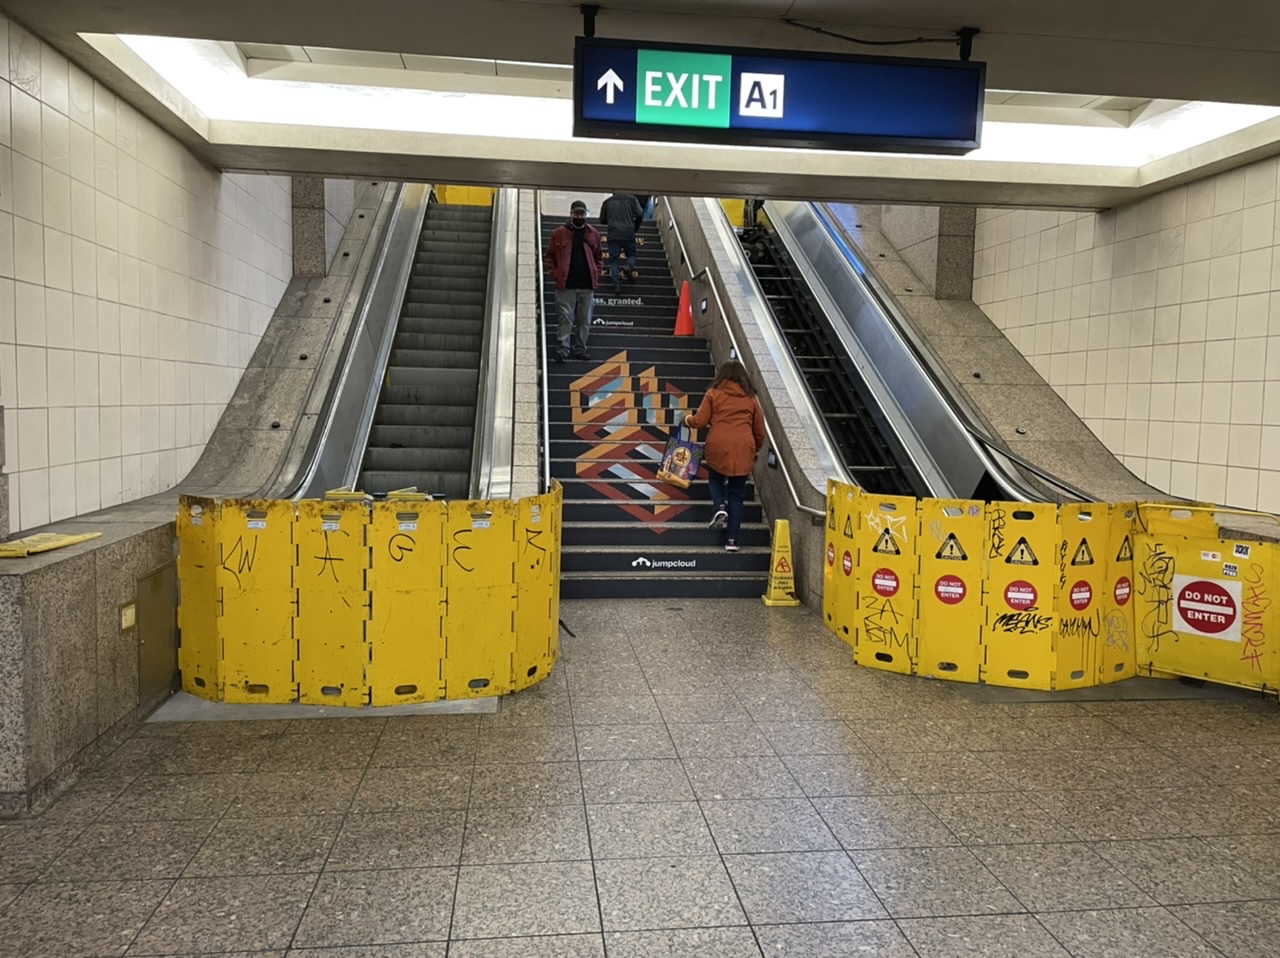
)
(848, 528)
(831, 519)
(887, 545)
(1021, 554)
(951, 549)
(1126, 551)
(783, 567)
(1084, 555)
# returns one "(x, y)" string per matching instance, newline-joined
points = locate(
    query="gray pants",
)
(575, 317)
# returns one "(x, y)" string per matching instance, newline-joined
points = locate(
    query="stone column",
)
(937, 243)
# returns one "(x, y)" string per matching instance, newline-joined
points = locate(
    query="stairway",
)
(425, 421)
(627, 534)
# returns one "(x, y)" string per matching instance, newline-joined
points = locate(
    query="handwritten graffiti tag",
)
(239, 559)
(896, 525)
(1117, 631)
(1256, 604)
(998, 523)
(328, 561)
(880, 624)
(1155, 584)
(1027, 622)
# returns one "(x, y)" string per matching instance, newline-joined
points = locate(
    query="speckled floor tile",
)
(685, 943)
(700, 708)
(526, 710)
(355, 725)
(537, 743)
(933, 882)
(247, 729)
(719, 740)
(317, 751)
(405, 789)
(743, 777)
(1184, 871)
(813, 738)
(1061, 877)
(997, 818)
(649, 830)
(399, 750)
(987, 936)
(526, 899)
(1212, 811)
(88, 798)
(686, 682)
(8, 893)
(651, 893)
(547, 833)
(622, 679)
(615, 709)
(635, 780)
(535, 783)
(802, 887)
(67, 920)
(619, 742)
(224, 914)
(382, 907)
(768, 825)
(279, 794)
(175, 798)
(1224, 764)
(417, 839)
(1244, 929)
(265, 846)
(119, 851)
(209, 754)
(547, 946)
(1259, 854)
(843, 775)
(922, 735)
(27, 848)
(933, 773)
(872, 939)
(422, 949)
(1102, 814)
(883, 821)
(1132, 933)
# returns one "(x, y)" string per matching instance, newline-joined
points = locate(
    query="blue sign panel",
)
(746, 97)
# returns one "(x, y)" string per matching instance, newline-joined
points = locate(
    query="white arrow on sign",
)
(611, 83)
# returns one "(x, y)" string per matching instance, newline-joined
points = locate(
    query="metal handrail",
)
(733, 342)
(542, 339)
(491, 450)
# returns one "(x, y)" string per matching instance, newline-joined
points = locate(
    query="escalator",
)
(887, 414)
(424, 425)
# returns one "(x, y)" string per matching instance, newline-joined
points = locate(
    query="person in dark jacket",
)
(735, 438)
(574, 259)
(621, 215)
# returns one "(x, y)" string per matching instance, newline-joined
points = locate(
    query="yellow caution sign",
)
(537, 551)
(1117, 658)
(480, 608)
(950, 589)
(42, 542)
(886, 577)
(1126, 549)
(199, 655)
(1084, 555)
(1022, 554)
(1082, 583)
(840, 600)
(952, 550)
(830, 557)
(782, 577)
(1021, 594)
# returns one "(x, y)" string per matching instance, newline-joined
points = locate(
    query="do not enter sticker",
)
(831, 554)
(1207, 607)
(848, 562)
(885, 582)
(1081, 595)
(950, 589)
(1124, 589)
(1020, 595)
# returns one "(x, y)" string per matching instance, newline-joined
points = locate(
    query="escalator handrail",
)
(542, 346)
(891, 313)
(491, 452)
(733, 342)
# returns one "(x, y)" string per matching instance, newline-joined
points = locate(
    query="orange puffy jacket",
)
(736, 432)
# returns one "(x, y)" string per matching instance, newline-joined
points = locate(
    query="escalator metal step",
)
(422, 437)
(394, 415)
(452, 485)
(435, 311)
(431, 395)
(437, 459)
(434, 359)
(418, 342)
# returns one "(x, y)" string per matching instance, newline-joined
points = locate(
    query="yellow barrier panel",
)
(949, 628)
(1022, 576)
(538, 589)
(255, 582)
(736, 211)
(885, 581)
(480, 611)
(1082, 580)
(845, 558)
(199, 660)
(405, 631)
(1205, 604)
(43, 542)
(465, 195)
(333, 602)
(831, 557)
(1118, 656)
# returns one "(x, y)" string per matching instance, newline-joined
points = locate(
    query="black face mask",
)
(579, 220)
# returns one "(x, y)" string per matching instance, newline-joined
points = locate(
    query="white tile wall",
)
(135, 284)
(1159, 323)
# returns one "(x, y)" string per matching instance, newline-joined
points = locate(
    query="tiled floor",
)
(696, 779)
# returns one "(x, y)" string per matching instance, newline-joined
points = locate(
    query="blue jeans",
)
(616, 249)
(575, 307)
(728, 493)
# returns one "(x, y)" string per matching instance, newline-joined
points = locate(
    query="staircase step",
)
(586, 585)
(679, 362)
(666, 559)
(649, 510)
(657, 535)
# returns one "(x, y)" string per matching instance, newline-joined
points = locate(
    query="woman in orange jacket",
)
(735, 438)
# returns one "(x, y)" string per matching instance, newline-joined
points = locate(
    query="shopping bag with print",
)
(681, 459)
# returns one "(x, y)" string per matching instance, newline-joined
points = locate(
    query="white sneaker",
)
(731, 546)
(719, 521)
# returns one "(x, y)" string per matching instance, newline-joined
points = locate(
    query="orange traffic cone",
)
(684, 315)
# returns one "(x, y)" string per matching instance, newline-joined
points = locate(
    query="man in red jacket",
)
(574, 259)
